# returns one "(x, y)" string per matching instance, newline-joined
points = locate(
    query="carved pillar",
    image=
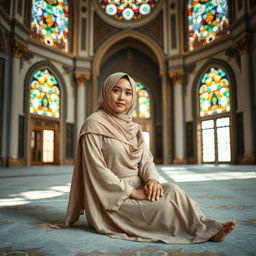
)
(18, 50)
(242, 44)
(165, 118)
(81, 79)
(179, 125)
(93, 93)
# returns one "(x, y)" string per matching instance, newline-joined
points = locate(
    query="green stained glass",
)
(128, 9)
(142, 108)
(44, 94)
(214, 92)
(49, 22)
(207, 21)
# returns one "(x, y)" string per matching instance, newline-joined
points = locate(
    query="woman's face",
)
(120, 98)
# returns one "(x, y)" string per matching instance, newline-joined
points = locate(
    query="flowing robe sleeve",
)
(147, 169)
(110, 190)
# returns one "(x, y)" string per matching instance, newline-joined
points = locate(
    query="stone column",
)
(81, 104)
(242, 44)
(18, 50)
(165, 118)
(179, 125)
(93, 100)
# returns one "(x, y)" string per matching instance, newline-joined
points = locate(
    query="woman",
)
(116, 182)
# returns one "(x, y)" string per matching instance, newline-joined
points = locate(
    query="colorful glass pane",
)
(214, 92)
(128, 9)
(143, 102)
(44, 94)
(207, 21)
(50, 22)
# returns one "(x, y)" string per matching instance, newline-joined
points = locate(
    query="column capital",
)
(95, 76)
(176, 76)
(18, 48)
(242, 44)
(81, 78)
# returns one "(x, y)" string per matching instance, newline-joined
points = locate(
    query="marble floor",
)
(34, 199)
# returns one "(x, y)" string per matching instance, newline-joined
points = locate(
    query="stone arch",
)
(99, 55)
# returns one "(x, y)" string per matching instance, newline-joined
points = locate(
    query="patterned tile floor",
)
(34, 199)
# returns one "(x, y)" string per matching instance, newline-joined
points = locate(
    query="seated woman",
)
(116, 182)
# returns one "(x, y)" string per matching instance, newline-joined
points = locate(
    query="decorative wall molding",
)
(155, 29)
(102, 30)
(18, 48)
(242, 44)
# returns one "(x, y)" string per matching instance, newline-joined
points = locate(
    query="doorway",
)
(216, 146)
(44, 142)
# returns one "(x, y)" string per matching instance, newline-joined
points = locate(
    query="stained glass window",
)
(44, 94)
(128, 9)
(142, 108)
(214, 92)
(207, 21)
(50, 22)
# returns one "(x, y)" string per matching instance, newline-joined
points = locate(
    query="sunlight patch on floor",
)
(180, 174)
(31, 196)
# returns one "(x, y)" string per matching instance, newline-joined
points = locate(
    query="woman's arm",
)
(149, 174)
(107, 188)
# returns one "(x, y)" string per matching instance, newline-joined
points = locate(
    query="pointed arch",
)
(196, 82)
(214, 132)
(61, 83)
(103, 49)
(45, 138)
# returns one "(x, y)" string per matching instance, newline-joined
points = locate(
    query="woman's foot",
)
(226, 229)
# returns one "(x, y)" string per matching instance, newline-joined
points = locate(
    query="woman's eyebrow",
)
(127, 89)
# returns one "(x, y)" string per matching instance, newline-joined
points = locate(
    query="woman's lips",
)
(119, 104)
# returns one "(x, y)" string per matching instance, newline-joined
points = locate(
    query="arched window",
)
(128, 9)
(142, 109)
(49, 22)
(214, 111)
(214, 92)
(44, 94)
(207, 21)
(142, 112)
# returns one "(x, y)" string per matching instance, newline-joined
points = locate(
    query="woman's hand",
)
(138, 194)
(153, 190)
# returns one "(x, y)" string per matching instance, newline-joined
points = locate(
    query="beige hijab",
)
(108, 123)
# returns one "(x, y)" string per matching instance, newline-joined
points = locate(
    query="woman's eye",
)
(115, 90)
(128, 93)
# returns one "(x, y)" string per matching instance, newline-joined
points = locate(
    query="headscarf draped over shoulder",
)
(108, 123)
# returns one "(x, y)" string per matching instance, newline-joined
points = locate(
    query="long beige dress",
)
(104, 177)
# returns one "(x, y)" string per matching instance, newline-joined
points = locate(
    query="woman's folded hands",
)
(151, 191)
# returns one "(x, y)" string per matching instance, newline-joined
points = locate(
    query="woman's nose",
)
(121, 95)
